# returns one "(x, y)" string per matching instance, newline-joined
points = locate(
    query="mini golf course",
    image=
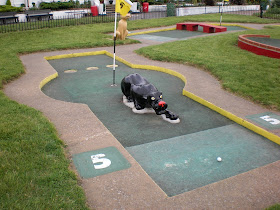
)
(178, 157)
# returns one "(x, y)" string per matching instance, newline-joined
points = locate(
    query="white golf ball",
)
(219, 159)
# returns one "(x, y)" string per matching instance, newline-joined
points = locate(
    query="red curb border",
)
(256, 47)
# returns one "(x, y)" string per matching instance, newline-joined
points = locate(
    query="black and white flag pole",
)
(122, 7)
(222, 13)
(114, 59)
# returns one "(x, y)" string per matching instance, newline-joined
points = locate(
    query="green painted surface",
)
(98, 162)
(154, 38)
(184, 163)
(94, 89)
(174, 35)
(268, 120)
(267, 41)
(179, 157)
(178, 34)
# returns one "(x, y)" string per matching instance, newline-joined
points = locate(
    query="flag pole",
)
(122, 7)
(114, 59)
(221, 14)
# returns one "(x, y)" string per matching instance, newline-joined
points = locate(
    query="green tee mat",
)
(174, 35)
(268, 120)
(159, 146)
(99, 162)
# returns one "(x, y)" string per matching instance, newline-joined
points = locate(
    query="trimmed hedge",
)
(8, 8)
(59, 5)
(274, 10)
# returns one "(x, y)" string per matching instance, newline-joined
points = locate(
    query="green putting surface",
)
(179, 157)
(174, 35)
(94, 89)
(188, 162)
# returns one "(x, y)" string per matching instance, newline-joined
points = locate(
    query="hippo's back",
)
(132, 79)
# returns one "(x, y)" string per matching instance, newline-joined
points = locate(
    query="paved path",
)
(132, 188)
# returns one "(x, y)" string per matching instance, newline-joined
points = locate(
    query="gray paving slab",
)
(132, 188)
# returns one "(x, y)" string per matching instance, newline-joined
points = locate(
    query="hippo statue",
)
(144, 97)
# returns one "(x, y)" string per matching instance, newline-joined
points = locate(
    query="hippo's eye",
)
(153, 98)
(160, 96)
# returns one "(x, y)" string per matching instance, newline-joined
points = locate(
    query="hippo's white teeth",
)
(143, 111)
(169, 120)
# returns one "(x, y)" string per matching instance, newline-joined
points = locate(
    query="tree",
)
(209, 2)
(8, 2)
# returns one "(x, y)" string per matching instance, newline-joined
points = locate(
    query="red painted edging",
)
(207, 28)
(258, 48)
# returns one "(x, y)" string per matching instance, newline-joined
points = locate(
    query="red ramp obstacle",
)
(207, 28)
(247, 42)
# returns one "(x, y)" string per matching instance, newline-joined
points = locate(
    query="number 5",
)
(105, 162)
(270, 120)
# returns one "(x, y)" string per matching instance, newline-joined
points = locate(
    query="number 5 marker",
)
(105, 162)
(270, 120)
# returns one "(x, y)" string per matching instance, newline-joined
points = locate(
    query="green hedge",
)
(275, 3)
(61, 5)
(8, 8)
(273, 10)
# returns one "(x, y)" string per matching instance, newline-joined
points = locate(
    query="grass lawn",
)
(34, 170)
(274, 207)
(249, 75)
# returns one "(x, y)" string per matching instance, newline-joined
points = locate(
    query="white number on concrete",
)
(105, 162)
(271, 120)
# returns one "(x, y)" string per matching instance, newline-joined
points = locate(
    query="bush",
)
(275, 3)
(8, 2)
(209, 2)
(238, 2)
(86, 4)
(274, 10)
(58, 5)
(8, 8)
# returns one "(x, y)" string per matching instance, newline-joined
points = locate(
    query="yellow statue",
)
(122, 31)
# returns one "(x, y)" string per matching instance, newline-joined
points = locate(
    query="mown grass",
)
(242, 72)
(34, 170)
(274, 207)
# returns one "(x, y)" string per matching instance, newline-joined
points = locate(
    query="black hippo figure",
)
(144, 97)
